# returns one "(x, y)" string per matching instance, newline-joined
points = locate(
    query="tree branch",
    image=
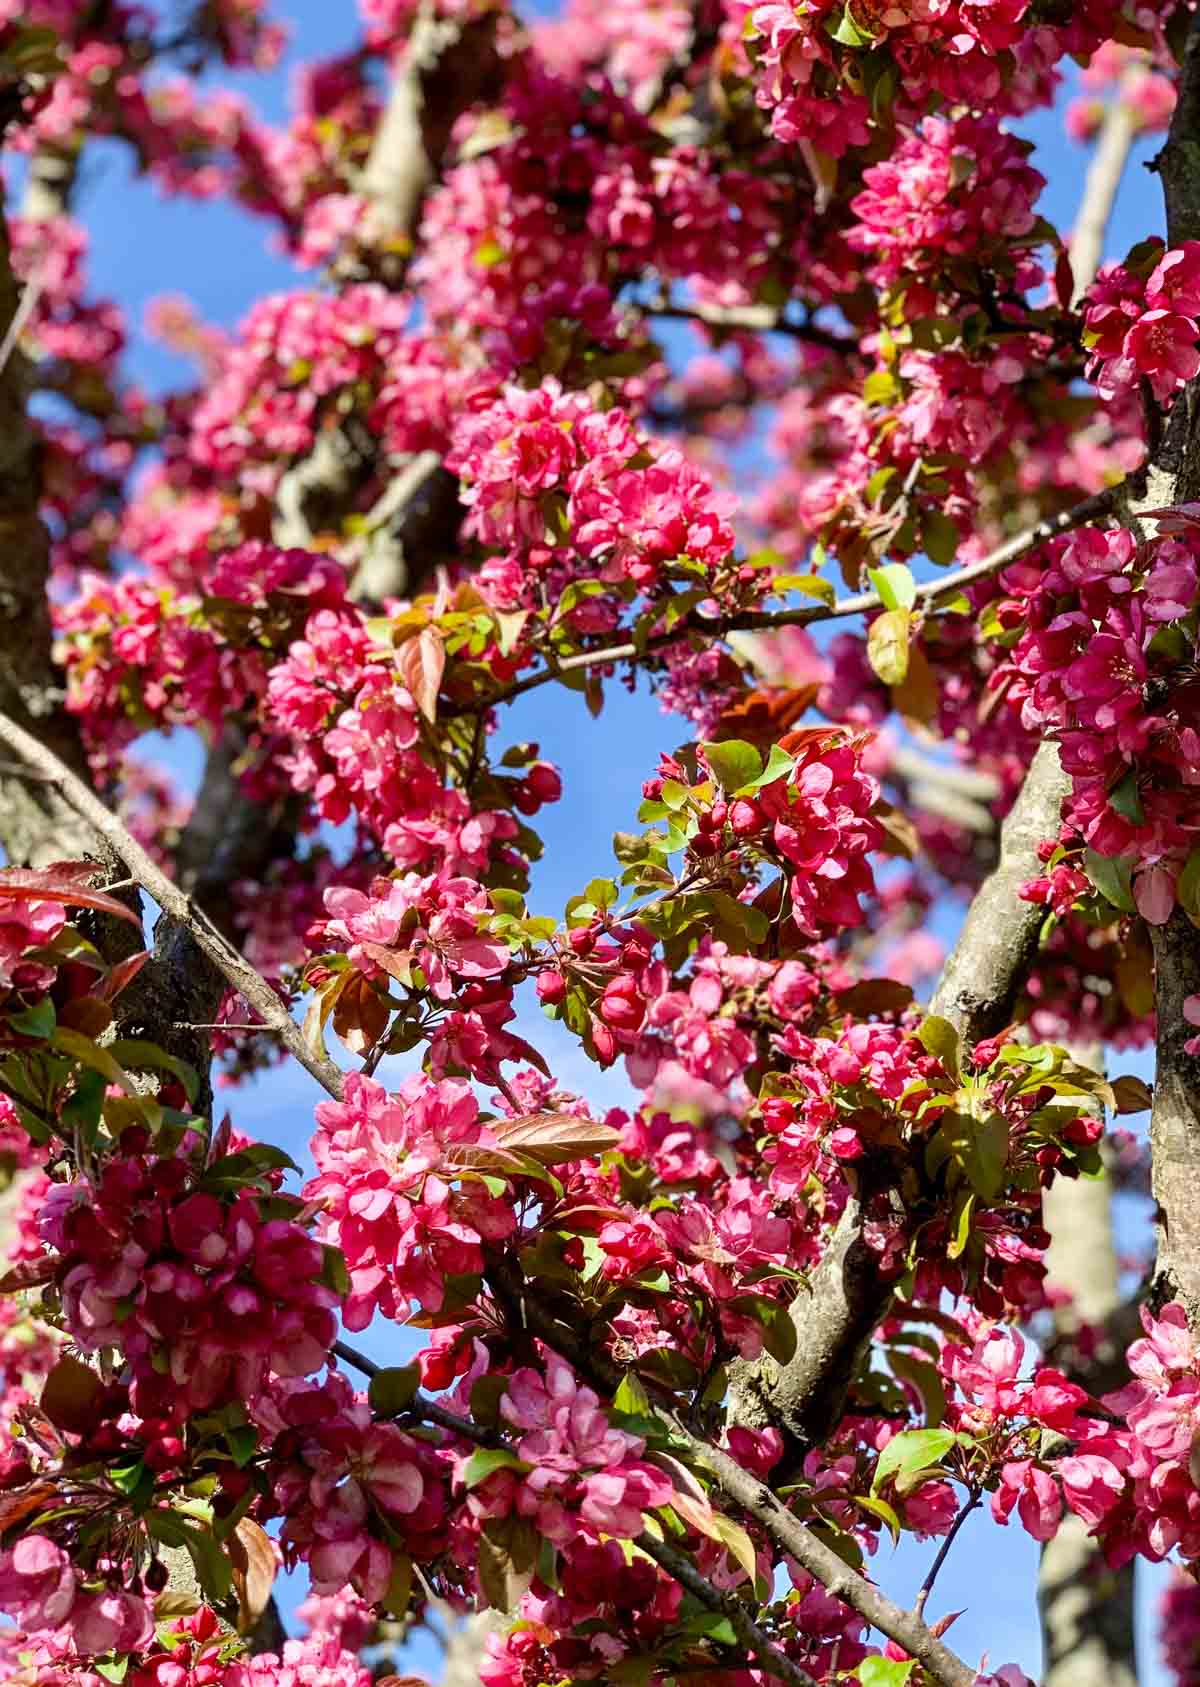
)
(749, 1492)
(1100, 191)
(803, 615)
(751, 319)
(83, 802)
(757, 1644)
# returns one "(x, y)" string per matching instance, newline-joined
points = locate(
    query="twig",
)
(1100, 191)
(678, 1565)
(753, 319)
(766, 620)
(25, 308)
(926, 1587)
(420, 1406)
(173, 902)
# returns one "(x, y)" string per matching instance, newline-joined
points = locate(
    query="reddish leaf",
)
(762, 717)
(122, 974)
(71, 1396)
(25, 1502)
(254, 1569)
(554, 1137)
(421, 662)
(28, 1274)
(397, 963)
(65, 881)
(360, 1016)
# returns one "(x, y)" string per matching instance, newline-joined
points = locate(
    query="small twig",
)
(214, 1024)
(753, 319)
(26, 306)
(173, 902)
(926, 1587)
(420, 1406)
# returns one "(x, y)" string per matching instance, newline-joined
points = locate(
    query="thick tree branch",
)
(1175, 1118)
(36, 825)
(1104, 175)
(82, 801)
(1086, 1608)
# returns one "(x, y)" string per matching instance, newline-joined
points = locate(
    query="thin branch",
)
(906, 1628)
(803, 615)
(771, 1660)
(30, 294)
(675, 1563)
(747, 1491)
(178, 907)
(753, 319)
(420, 1406)
(1100, 190)
(943, 1553)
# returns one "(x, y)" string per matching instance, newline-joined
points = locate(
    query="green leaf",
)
(712, 1625)
(1187, 887)
(885, 1672)
(484, 1461)
(631, 1396)
(881, 1509)
(779, 765)
(925, 1378)
(939, 538)
(887, 645)
(1111, 876)
(242, 1442)
(38, 1021)
(113, 1669)
(734, 763)
(941, 1039)
(392, 1390)
(849, 33)
(1125, 800)
(895, 584)
(962, 1228)
(812, 585)
(912, 1450)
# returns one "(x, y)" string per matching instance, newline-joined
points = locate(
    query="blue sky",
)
(144, 245)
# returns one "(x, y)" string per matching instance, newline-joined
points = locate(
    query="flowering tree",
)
(845, 1269)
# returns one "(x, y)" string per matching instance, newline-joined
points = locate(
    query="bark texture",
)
(1087, 1610)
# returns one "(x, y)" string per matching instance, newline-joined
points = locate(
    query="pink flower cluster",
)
(350, 1490)
(541, 456)
(295, 354)
(386, 1166)
(1131, 1480)
(203, 1296)
(1146, 327)
(41, 1590)
(1090, 666)
(27, 924)
(954, 188)
(583, 1477)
